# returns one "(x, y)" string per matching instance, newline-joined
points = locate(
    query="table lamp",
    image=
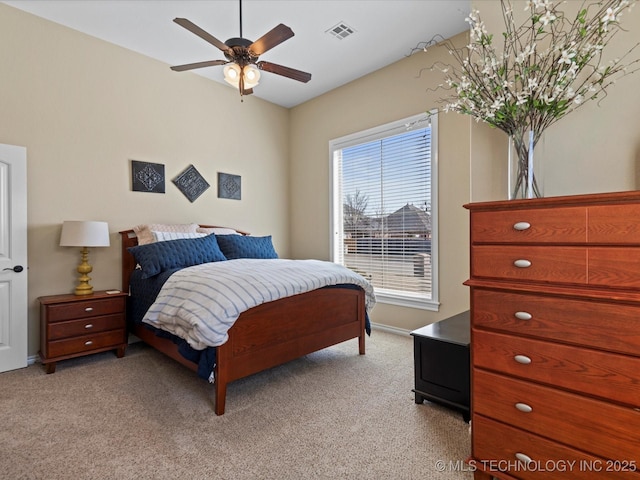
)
(84, 234)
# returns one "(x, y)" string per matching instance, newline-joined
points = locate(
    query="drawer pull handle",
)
(523, 359)
(523, 407)
(523, 315)
(522, 226)
(88, 342)
(522, 263)
(88, 325)
(88, 309)
(523, 458)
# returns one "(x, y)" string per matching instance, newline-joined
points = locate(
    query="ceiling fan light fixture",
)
(232, 74)
(242, 68)
(251, 76)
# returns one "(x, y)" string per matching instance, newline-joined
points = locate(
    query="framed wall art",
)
(229, 186)
(191, 183)
(147, 177)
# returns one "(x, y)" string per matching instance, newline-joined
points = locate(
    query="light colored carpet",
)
(331, 415)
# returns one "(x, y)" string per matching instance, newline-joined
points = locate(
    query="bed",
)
(264, 336)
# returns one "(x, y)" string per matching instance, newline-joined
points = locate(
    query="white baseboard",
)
(387, 328)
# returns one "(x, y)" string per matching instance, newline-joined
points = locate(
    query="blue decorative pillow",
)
(157, 257)
(240, 246)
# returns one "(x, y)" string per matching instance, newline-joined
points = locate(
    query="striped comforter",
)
(201, 303)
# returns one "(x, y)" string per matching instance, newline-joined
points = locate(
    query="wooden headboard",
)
(129, 239)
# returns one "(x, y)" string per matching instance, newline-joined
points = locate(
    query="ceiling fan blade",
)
(191, 66)
(247, 91)
(273, 37)
(284, 71)
(207, 37)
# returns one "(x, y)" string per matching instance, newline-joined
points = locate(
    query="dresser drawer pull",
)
(88, 342)
(523, 315)
(524, 458)
(523, 407)
(523, 359)
(522, 263)
(88, 325)
(88, 309)
(522, 226)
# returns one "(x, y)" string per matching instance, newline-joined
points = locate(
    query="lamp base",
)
(84, 290)
(84, 269)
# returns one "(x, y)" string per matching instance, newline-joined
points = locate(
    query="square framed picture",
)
(191, 183)
(147, 177)
(229, 186)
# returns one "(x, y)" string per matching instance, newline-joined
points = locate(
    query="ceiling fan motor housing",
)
(241, 53)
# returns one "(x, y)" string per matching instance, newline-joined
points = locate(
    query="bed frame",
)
(270, 334)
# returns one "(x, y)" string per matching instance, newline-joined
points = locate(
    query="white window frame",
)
(416, 121)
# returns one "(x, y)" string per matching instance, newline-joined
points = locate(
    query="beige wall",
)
(395, 92)
(594, 149)
(84, 108)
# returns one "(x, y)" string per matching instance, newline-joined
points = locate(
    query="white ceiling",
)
(385, 32)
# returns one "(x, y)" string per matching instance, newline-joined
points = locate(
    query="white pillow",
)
(217, 230)
(145, 235)
(162, 236)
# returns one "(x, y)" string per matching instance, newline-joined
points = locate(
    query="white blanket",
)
(201, 303)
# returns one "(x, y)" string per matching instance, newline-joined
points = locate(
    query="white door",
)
(13, 257)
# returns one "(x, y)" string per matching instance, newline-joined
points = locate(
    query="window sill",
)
(407, 301)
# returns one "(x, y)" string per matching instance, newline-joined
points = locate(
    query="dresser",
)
(73, 326)
(441, 363)
(555, 338)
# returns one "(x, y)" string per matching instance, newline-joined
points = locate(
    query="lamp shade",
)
(84, 234)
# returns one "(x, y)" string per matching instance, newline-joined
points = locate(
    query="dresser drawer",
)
(85, 343)
(495, 446)
(606, 375)
(608, 326)
(614, 266)
(591, 425)
(74, 328)
(87, 308)
(541, 264)
(614, 224)
(555, 225)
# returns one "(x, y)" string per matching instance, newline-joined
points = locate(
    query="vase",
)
(525, 171)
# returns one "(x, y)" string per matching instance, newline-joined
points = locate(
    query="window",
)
(384, 209)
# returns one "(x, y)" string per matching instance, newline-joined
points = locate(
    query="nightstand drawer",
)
(85, 343)
(585, 423)
(583, 370)
(85, 308)
(74, 328)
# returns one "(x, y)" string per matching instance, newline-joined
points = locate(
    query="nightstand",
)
(442, 363)
(73, 326)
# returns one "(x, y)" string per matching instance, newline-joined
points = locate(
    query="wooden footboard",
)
(274, 333)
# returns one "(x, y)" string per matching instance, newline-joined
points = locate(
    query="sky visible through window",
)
(390, 173)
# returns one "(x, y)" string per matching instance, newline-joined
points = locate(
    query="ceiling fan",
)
(242, 65)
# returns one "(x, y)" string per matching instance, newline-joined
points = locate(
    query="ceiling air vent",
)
(341, 31)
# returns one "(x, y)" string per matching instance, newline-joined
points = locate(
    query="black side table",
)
(441, 356)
